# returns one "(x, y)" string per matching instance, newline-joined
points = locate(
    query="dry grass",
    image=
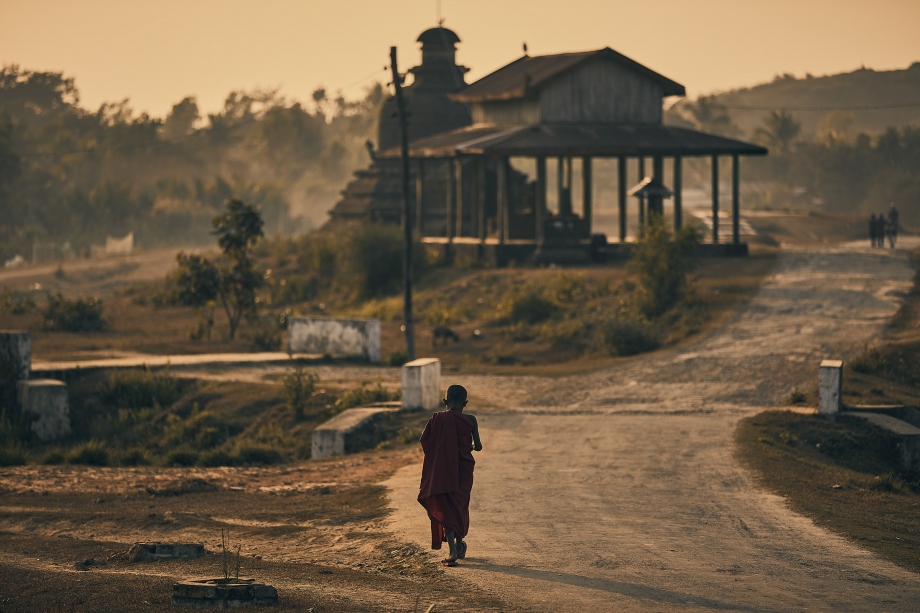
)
(844, 474)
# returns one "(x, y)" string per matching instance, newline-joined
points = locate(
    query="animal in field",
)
(443, 333)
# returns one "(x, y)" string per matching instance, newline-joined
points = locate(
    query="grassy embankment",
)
(525, 316)
(846, 474)
(139, 417)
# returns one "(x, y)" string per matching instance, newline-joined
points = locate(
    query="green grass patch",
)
(844, 474)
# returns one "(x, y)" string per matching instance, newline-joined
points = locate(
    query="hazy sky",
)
(157, 52)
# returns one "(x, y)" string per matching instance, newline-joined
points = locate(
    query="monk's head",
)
(456, 397)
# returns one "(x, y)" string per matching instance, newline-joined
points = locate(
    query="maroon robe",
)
(447, 474)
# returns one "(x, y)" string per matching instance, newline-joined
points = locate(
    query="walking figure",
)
(880, 231)
(873, 229)
(892, 225)
(449, 439)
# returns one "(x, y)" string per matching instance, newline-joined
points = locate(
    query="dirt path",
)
(618, 490)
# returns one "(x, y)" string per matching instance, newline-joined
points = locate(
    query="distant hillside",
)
(852, 90)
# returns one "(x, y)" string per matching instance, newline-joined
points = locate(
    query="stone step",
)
(350, 431)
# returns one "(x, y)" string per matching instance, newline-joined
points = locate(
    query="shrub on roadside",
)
(181, 457)
(531, 307)
(624, 337)
(663, 260)
(80, 315)
(299, 385)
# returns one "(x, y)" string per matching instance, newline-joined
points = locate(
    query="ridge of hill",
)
(841, 98)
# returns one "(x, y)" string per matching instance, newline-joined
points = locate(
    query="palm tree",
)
(710, 116)
(779, 131)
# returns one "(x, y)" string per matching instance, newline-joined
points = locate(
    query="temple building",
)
(375, 194)
(513, 178)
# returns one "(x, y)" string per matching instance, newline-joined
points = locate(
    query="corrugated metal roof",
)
(520, 77)
(577, 140)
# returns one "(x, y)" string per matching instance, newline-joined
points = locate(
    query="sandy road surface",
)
(617, 491)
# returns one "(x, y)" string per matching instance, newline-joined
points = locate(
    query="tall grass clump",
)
(140, 389)
(624, 337)
(299, 385)
(90, 453)
(363, 394)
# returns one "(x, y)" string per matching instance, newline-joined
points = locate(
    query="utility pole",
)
(406, 214)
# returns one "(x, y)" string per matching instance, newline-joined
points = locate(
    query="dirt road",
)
(618, 491)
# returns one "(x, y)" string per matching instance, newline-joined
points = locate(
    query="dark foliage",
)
(80, 315)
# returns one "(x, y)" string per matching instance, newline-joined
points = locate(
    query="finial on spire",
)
(525, 47)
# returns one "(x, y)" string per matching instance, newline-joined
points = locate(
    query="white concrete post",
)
(830, 387)
(47, 400)
(421, 384)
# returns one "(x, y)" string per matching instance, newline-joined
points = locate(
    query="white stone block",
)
(830, 387)
(421, 384)
(334, 336)
(46, 401)
(347, 432)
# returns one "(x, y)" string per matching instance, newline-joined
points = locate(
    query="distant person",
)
(893, 218)
(449, 439)
(880, 231)
(873, 229)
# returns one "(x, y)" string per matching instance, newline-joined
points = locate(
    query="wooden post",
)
(458, 165)
(658, 173)
(481, 204)
(540, 204)
(715, 199)
(621, 187)
(406, 219)
(736, 213)
(678, 194)
(560, 185)
(502, 188)
(451, 200)
(587, 195)
(641, 198)
(419, 194)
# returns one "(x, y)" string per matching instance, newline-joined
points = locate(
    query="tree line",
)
(73, 175)
(839, 169)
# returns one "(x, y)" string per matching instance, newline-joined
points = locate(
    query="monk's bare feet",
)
(461, 549)
(451, 561)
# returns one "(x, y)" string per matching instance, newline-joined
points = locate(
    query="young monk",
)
(449, 439)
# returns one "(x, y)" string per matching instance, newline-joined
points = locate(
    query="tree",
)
(181, 120)
(197, 284)
(237, 230)
(710, 116)
(779, 131)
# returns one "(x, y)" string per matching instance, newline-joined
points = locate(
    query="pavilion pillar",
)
(678, 194)
(458, 172)
(621, 196)
(587, 195)
(715, 199)
(736, 213)
(657, 173)
(419, 194)
(641, 198)
(481, 204)
(449, 213)
(502, 181)
(540, 204)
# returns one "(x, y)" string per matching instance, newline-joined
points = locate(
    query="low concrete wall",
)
(348, 432)
(46, 401)
(334, 336)
(908, 435)
(15, 362)
(421, 384)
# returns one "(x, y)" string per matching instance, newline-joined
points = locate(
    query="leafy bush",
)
(217, 457)
(299, 385)
(531, 307)
(663, 261)
(140, 389)
(12, 453)
(80, 315)
(134, 457)
(797, 396)
(266, 338)
(90, 453)
(52, 456)
(624, 337)
(16, 303)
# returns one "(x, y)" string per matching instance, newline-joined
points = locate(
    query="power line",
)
(820, 109)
